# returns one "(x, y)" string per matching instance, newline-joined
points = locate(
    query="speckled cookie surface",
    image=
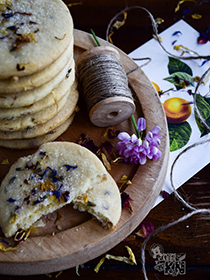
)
(29, 143)
(45, 181)
(30, 120)
(35, 34)
(46, 127)
(28, 98)
(54, 96)
(103, 202)
(15, 84)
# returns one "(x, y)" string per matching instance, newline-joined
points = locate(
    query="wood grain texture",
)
(79, 238)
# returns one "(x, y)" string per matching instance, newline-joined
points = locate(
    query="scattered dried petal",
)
(58, 274)
(164, 194)
(111, 32)
(85, 141)
(6, 249)
(5, 161)
(123, 183)
(107, 146)
(131, 237)
(196, 16)
(77, 269)
(203, 38)
(126, 201)
(145, 229)
(160, 39)
(131, 255)
(74, 4)
(131, 260)
(117, 160)
(105, 161)
(118, 23)
(159, 20)
(96, 269)
(112, 133)
(181, 2)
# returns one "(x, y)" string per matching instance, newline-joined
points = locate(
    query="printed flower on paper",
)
(136, 150)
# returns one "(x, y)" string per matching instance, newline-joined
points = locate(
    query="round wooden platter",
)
(77, 238)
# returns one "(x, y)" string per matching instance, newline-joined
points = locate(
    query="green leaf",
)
(179, 135)
(202, 129)
(204, 109)
(207, 99)
(178, 78)
(176, 65)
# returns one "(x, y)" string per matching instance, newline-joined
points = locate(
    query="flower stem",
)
(94, 36)
(135, 126)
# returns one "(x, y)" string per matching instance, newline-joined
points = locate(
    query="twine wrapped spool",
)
(105, 86)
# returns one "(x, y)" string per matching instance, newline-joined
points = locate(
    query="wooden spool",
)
(112, 110)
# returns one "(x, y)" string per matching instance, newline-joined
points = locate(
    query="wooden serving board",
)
(77, 237)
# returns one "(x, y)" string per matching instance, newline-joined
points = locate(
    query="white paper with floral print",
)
(179, 75)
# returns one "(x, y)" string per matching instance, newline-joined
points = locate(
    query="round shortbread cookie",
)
(52, 98)
(26, 83)
(103, 202)
(20, 144)
(31, 120)
(44, 128)
(27, 98)
(36, 34)
(46, 181)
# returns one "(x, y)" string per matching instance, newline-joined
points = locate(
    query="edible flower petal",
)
(88, 143)
(196, 16)
(164, 194)
(131, 260)
(126, 201)
(141, 124)
(11, 200)
(145, 229)
(123, 183)
(181, 2)
(5, 161)
(68, 167)
(203, 38)
(135, 149)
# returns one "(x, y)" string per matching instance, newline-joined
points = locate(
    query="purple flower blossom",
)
(137, 150)
(141, 124)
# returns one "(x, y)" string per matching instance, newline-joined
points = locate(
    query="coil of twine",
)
(105, 86)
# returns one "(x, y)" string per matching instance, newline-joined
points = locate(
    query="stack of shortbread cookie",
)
(38, 89)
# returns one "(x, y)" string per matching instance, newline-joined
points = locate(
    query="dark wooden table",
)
(191, 237)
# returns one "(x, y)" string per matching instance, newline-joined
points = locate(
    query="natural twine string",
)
(194, 210)
(103, 76)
